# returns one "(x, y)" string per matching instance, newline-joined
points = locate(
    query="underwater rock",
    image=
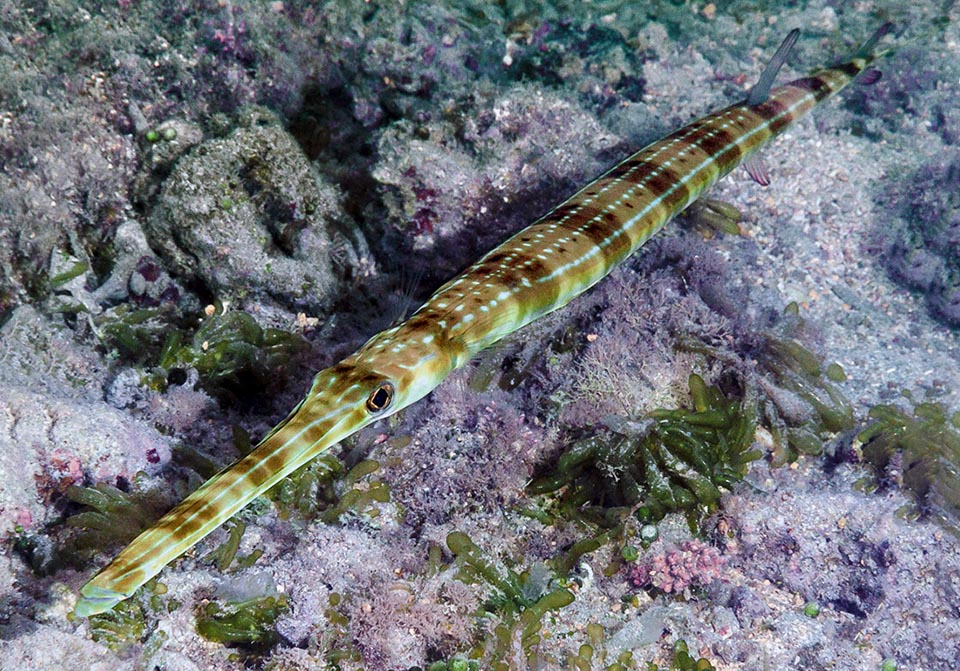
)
(51, 442)
(247, 216)
(923, 247)
(54, 430)
(876, 563)
(440, 181)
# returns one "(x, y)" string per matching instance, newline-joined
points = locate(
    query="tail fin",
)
(866, 52)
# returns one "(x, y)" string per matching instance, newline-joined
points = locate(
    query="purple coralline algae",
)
(691, 565)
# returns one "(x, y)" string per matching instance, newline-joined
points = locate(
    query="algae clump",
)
(231, 352)
(325, 489)
(521, 601)
(672, 460)
(250, 623)
(919, 452)
(683, 661)
(119, 628)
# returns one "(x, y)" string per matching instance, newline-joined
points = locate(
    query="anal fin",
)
(757, 170)
(869, 76)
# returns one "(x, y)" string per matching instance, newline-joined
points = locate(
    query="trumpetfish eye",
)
(380, 399)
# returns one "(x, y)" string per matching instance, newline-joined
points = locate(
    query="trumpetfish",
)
(534, 272)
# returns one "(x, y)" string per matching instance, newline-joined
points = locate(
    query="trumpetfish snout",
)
(388, 373)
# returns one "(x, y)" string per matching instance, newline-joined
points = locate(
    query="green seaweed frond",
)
(796, 376)
(326, 490)
(797, 399)
(121, 627)
(250, 623)
(112, 517)
(137, 334)
(108, 516)
(335, 636)
(673, 460)
(683, 661)
(456, 664)
(224, 554)
(357, 495)
(521, 600)
(513, 591)
(230, 351)
(309, 489)
(713, 216)
(921, 452)
(593, 655)
(520, 633)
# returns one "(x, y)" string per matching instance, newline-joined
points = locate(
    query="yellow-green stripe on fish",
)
(539, 269)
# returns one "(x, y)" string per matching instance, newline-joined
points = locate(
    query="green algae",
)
(593, 655)
(309, 489)
(794, 372)
(249, 623)
(520, 632)
(520, 601)
(566, 562)
(835, 373)
(121, 627)
(456, 664)
(683, 661)
(132, 621)
(714, 216)
(64, 268)
(921, 452)
(136, 334)
(512, 590)
(231, 352)
(335, 636)
(673, 460)
(326, 490)
(796, 395)
(113, 516)
(224, 554)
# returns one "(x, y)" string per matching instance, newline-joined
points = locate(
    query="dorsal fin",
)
(761, 90)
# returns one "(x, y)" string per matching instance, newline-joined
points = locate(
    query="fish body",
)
(536, 271)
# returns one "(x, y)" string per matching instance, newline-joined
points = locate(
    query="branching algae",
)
(231, 351)
(799, 402)
(683, 661)
(796, 395)
(921, 453)
(520, 600)
(672, 460)
(250, 623)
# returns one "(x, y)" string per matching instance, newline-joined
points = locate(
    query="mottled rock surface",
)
(249, 218)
